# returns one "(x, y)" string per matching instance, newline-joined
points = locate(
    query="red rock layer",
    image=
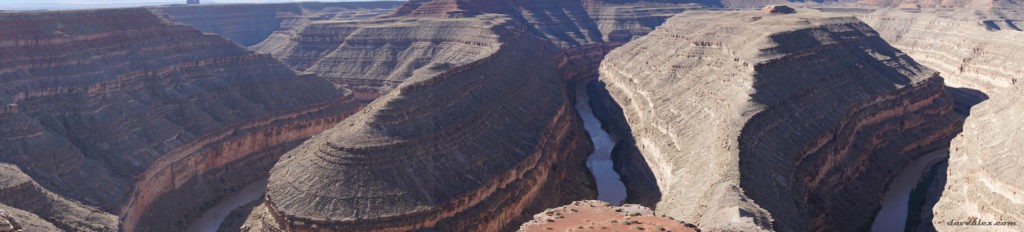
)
(117, 108)
(249, 24)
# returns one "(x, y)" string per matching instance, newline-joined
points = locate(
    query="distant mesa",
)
(777, 9)
(192, 2)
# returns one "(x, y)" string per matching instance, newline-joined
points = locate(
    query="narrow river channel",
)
(609, 187)
(212, 218)
(893, 215)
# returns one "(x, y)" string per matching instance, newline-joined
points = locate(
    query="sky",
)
(84, 4)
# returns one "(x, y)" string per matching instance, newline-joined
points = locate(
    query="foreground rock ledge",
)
(787, 122)
(593, 215)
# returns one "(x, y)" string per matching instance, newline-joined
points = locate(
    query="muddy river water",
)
(893, 215)
(609, 187)
(212, 218)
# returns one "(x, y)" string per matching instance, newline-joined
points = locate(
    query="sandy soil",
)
(601, 216)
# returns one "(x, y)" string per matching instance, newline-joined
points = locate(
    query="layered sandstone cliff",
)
(421, 39)
(477, 148)
(374, 56)
(119, 112)
(983, 179)
(787, 122)
(565, 23)
(249, 24)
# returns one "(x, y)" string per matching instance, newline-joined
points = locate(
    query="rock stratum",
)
(119, 120)
(475, 148)
(511, 154)
(374, 56)
(249, 24)
(983, 180)
(981, 5)
(788, 122)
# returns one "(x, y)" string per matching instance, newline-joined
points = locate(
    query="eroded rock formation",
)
(374, 56)
(753, 121)
(119, 112)
(983, 179)
(422, 41)
(249, 24)
(471, 149)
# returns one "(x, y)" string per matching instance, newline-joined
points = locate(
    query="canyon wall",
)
(789, 122)
(249, 24)
(119, 112)
(565, 23)
(982, 182)
(479, 148)
(374, 56)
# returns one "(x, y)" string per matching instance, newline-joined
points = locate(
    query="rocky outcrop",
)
(8, 223)
(593, 215)
(566, 23)
(249, 24)
(374, 56)
(121, 112)
(478, 148)
(19, 192)
(982, 182)
(753, 121)
(777, 9)
(13, 219)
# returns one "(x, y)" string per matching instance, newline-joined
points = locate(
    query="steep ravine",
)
(212, 218)
(983, 178)
(609, 187)
(894, 207)
(785, 122)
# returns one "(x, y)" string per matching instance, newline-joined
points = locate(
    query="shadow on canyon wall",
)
(641, 185)
(933, 182)
(965, 98)
(833, 135)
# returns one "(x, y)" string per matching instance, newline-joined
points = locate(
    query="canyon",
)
(506, 121)
(752, 121)
(250, 24)
(982, 179)
(119, 120)
(497, 115)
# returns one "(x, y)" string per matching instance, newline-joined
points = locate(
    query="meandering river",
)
(893, 215)
(212, 218)
(609, 187)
